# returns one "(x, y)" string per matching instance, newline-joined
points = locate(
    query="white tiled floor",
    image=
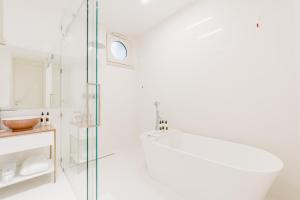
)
(123, 176)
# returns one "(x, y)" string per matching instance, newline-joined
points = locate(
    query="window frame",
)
(116, 37)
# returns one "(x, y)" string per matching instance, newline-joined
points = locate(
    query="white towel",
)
(34, 164)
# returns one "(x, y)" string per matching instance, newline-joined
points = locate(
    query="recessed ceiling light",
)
(144, 2)
(195, 25)
(206, 35)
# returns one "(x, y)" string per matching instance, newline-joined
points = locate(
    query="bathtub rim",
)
(155, 135)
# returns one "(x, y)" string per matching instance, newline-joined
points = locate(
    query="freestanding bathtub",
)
(201, 168)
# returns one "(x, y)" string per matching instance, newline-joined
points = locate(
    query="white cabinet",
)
(14, 142)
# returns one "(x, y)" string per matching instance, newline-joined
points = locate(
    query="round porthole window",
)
(118, 50)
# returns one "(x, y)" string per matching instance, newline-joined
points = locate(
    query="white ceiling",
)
(33, 24)
(39, 20)
(133, 18)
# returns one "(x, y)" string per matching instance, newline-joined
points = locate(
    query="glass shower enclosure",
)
(80, 98)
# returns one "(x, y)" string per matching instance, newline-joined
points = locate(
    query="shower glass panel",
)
(80, 98)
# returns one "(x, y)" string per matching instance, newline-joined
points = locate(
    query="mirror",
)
(35, 80)
(29, 59)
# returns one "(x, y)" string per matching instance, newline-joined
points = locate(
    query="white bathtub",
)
(201, 168)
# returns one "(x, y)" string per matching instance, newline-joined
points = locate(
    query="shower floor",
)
(122, 176)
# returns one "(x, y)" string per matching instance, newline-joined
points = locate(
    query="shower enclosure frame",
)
(90, 10)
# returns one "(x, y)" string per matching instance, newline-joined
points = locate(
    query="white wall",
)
(119, 100)
(297, 56)
(217, 75)
(33, 24)
(5, 76)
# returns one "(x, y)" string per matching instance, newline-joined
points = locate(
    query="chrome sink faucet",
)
(158, 117)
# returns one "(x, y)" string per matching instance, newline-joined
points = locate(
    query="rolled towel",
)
(9, 171)
(34, 164)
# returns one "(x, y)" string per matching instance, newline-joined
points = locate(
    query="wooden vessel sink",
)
(21, 123)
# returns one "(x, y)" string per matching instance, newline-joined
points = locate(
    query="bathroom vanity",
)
(37, 138)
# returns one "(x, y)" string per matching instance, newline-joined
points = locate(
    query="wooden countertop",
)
(27, 132)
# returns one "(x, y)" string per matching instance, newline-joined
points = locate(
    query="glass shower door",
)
(80, 100)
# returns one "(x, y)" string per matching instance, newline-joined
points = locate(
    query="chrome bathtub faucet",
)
(158, 118)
